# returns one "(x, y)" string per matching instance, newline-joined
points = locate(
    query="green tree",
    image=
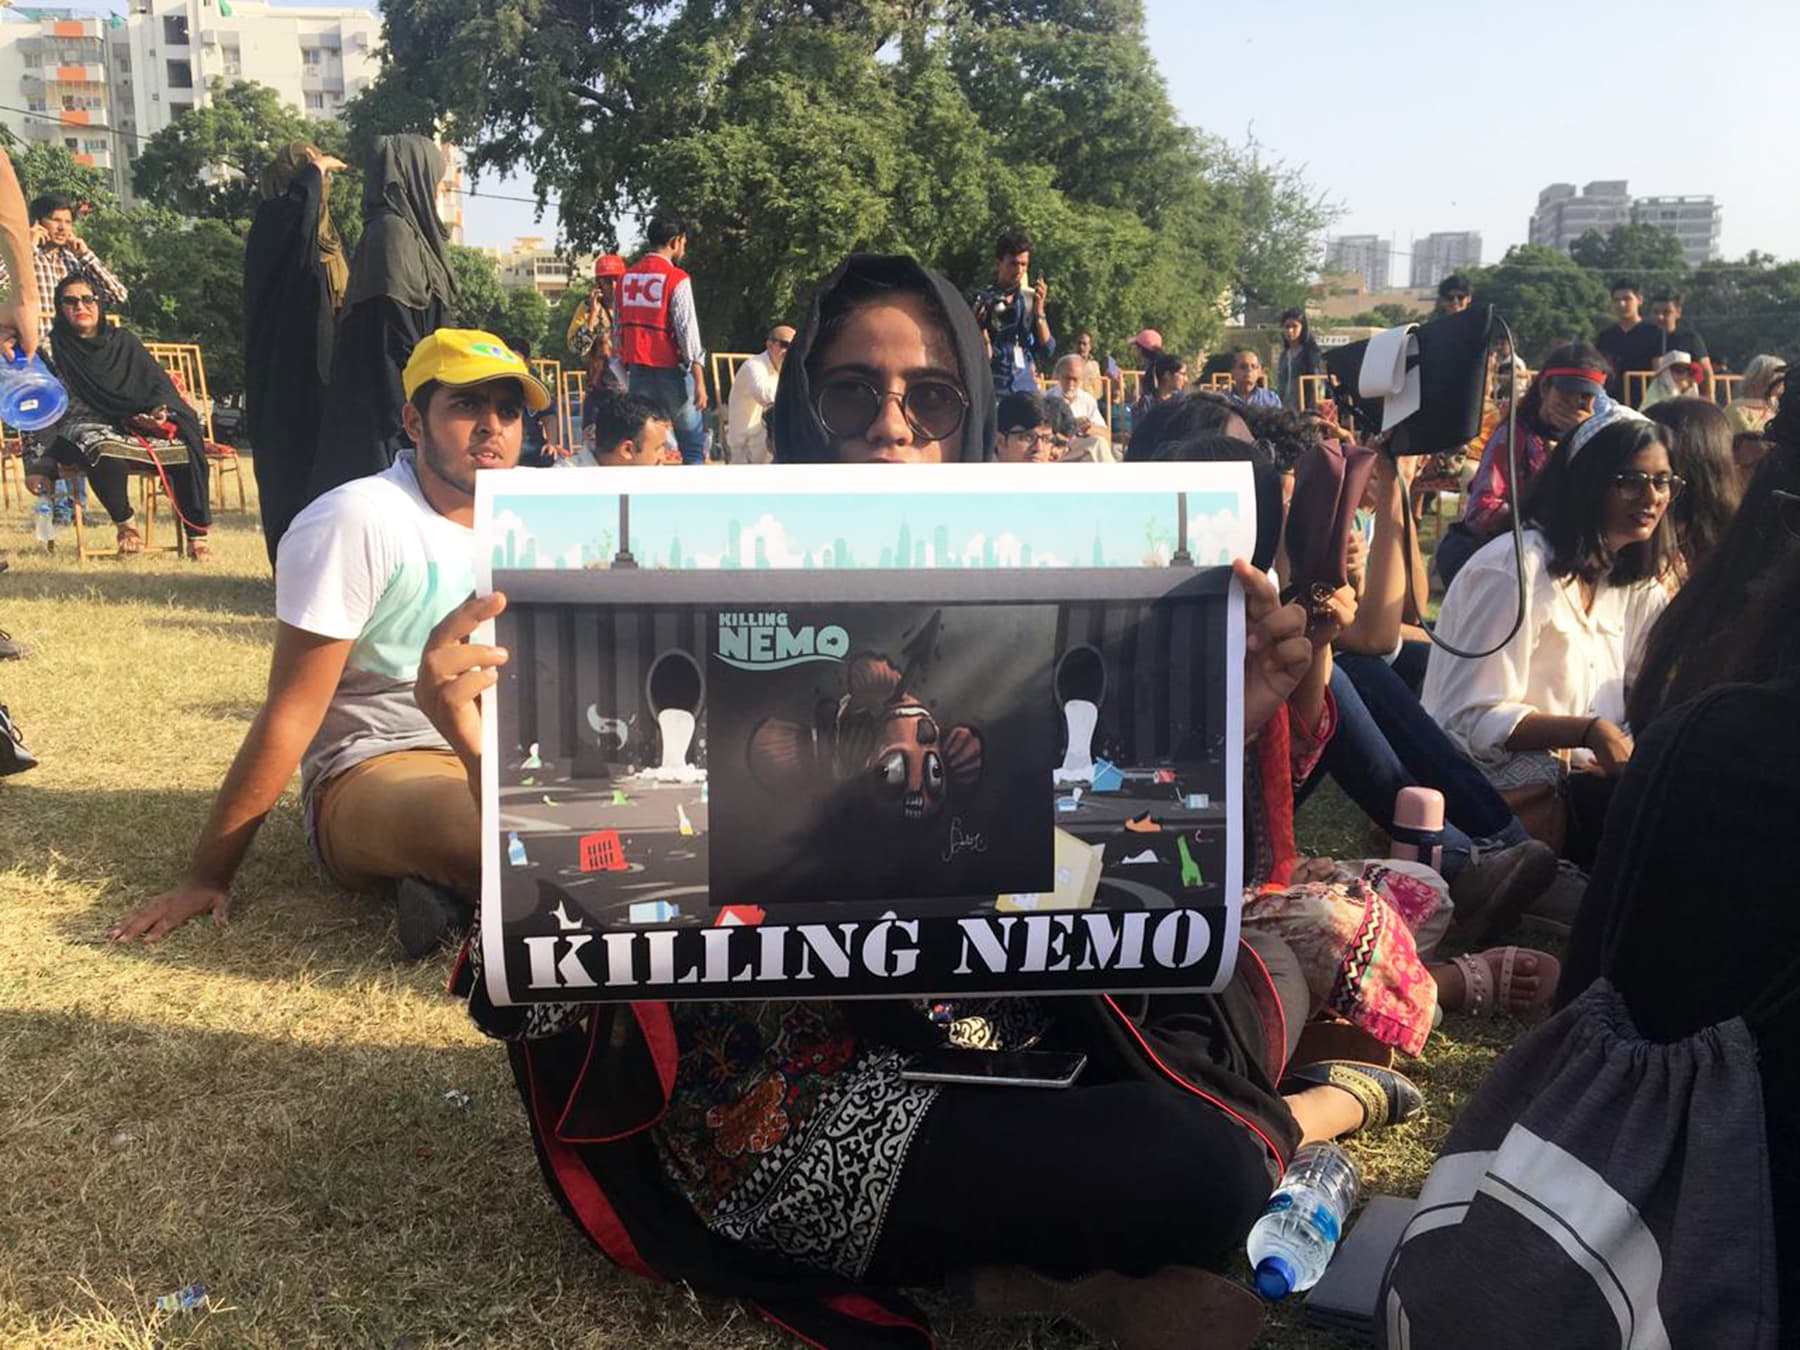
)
(556, 324)
(1388, 315)
(1279, 219)
(480, 302)
(1747, 307)
(526, 318)
(1542, 294)
(790, 132)
(46, 167)
(208, 162)
(1647, 254)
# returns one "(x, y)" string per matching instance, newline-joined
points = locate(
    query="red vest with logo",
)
(646, 336)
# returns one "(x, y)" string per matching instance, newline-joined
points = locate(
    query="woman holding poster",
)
(774, 1151)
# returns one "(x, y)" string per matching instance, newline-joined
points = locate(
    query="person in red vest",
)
(659, 334)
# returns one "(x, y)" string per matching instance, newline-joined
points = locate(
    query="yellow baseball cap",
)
(465, 356)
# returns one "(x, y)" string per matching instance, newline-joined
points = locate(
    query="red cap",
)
(609, 265)
(1149, 339)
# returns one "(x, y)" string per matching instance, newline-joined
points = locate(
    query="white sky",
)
(1422, 116)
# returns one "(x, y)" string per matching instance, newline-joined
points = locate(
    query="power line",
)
(122, 134)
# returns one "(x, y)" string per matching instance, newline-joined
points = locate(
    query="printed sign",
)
(863, 731)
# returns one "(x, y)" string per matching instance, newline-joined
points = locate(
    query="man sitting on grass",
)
(361, 577)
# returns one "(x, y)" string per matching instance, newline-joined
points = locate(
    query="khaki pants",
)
(404, 814)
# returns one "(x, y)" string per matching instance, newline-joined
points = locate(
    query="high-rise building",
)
(53, 73)
(1563, 216)
(1693, 220)
(1436, 256)
(1368, 255)
(103, 84)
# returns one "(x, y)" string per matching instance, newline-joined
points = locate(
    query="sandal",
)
(1388, 1097)
(198, 549)
(130, 541)
(1482, 999)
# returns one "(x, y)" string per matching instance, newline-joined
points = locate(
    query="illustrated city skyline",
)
(809, 531)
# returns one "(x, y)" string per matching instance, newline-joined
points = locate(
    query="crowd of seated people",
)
(1612, 566)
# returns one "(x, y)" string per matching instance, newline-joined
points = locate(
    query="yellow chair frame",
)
(187, 364)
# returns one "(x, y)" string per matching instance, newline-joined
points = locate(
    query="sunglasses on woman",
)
(80, 301)
(1637, 483)
(934, 409)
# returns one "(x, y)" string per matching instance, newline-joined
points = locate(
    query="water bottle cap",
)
(1274, 1278)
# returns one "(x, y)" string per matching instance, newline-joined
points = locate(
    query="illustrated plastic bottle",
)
(30, 396)
(1293, 1241)
(1419, 813)
(515, 849)
(44, 523)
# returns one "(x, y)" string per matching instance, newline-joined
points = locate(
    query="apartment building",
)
(53, 77)
(1368, 255)
(1436, 256)
(103, 84)
(1563, 215)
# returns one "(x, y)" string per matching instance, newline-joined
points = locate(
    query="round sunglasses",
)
(934, 409)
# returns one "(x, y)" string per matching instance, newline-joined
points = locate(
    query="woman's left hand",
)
(1276, 652)
(1332, 617)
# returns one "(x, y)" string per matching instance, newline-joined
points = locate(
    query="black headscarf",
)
(110, 372)
(402, 253)
(800, 437)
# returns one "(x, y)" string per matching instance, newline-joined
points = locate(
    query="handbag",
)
(14, 757)
(1329, 482)
(1601, 1189)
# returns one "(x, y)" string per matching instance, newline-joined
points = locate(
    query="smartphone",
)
(999, 1068)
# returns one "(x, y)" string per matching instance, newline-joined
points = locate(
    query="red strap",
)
(163, 474)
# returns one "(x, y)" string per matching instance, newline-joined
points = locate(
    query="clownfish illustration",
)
(880, 742)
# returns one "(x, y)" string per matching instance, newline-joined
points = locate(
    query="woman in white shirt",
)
(1090, 440)
(1551, 699)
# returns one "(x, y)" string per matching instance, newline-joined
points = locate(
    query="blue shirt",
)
(1012, 331)
(1259, 398)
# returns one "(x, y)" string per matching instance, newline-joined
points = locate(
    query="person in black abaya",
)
(400, 290)
(294, 277)
(124, 415)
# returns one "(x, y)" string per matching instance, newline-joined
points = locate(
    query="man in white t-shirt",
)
(361, 578)
(752, 395)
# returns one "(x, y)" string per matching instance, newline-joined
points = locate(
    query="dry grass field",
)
(275, 1108)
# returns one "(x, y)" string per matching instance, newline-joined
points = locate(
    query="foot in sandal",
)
(198, 549)
(1515, 980)
(130, 541)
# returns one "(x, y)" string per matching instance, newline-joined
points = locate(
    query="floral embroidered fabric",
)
(784, 1133)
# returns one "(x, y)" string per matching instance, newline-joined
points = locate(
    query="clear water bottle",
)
(43, 522)
(31, 398)
(1293, 1241)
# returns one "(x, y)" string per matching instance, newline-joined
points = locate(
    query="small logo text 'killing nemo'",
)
(765, 641)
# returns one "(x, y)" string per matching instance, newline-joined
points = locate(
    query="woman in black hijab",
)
(400, 290)
(124, 414)
(888, 367)
(294, 277)
(826, 1214)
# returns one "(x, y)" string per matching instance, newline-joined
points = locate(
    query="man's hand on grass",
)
(161, 915)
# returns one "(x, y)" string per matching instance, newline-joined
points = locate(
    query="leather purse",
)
(1329, 482)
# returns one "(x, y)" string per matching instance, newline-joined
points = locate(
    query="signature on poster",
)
(961, 842)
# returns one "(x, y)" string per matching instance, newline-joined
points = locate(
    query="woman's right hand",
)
(1610, 744)
(38, 485)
